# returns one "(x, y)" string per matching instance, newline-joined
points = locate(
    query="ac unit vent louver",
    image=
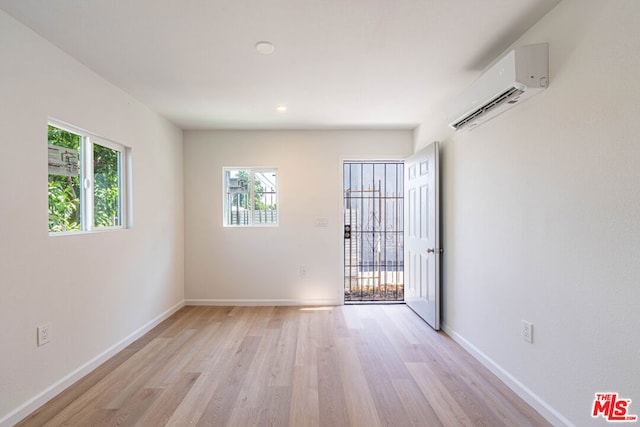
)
(506, 96)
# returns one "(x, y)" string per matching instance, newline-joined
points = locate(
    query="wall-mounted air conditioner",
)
(520, 74)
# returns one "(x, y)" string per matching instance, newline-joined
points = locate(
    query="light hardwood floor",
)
(365, 365)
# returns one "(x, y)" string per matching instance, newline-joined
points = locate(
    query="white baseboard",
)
(49, 393)
(526, 394)
(260, 302)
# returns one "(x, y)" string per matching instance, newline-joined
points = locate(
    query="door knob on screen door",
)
(431, 251)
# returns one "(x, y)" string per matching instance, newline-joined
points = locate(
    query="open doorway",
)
(373, 203)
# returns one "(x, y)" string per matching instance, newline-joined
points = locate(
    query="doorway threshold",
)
(373, 302)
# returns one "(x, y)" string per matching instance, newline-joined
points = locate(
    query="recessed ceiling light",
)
(265, 47)
(281, 108)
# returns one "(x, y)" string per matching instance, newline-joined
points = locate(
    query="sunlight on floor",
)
(327, 308)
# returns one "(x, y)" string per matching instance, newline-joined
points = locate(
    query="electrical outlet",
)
(44, 334)
(303, 271)
(526, 331)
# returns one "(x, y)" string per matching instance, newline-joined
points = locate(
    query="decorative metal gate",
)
(373, 231)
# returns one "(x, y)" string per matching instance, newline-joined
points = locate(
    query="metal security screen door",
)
(373, 231)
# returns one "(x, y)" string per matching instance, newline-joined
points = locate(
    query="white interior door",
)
(422, 235)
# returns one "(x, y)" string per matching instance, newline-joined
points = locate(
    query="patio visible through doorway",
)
(373, 205)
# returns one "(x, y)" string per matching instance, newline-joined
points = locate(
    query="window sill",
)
(96, 231)
(252, 226)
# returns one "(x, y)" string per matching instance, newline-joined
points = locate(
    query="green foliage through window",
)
(64, 191)
(69, 203)
(106, 183)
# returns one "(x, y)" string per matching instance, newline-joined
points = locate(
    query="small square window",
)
(250, 197)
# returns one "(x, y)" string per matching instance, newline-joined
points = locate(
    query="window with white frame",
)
(250, 197)
(86, 181)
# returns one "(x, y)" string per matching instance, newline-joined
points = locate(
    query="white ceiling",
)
(338, 63)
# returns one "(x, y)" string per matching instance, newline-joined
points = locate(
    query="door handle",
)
(434, 250)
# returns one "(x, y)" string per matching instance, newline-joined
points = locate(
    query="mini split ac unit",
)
(520, 74)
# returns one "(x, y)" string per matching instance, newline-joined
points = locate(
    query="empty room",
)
(320, 213)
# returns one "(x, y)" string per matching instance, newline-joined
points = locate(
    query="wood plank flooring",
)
(364, 365)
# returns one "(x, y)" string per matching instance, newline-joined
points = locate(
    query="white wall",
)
(262, 265)
(95, 289)
(542, 209)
